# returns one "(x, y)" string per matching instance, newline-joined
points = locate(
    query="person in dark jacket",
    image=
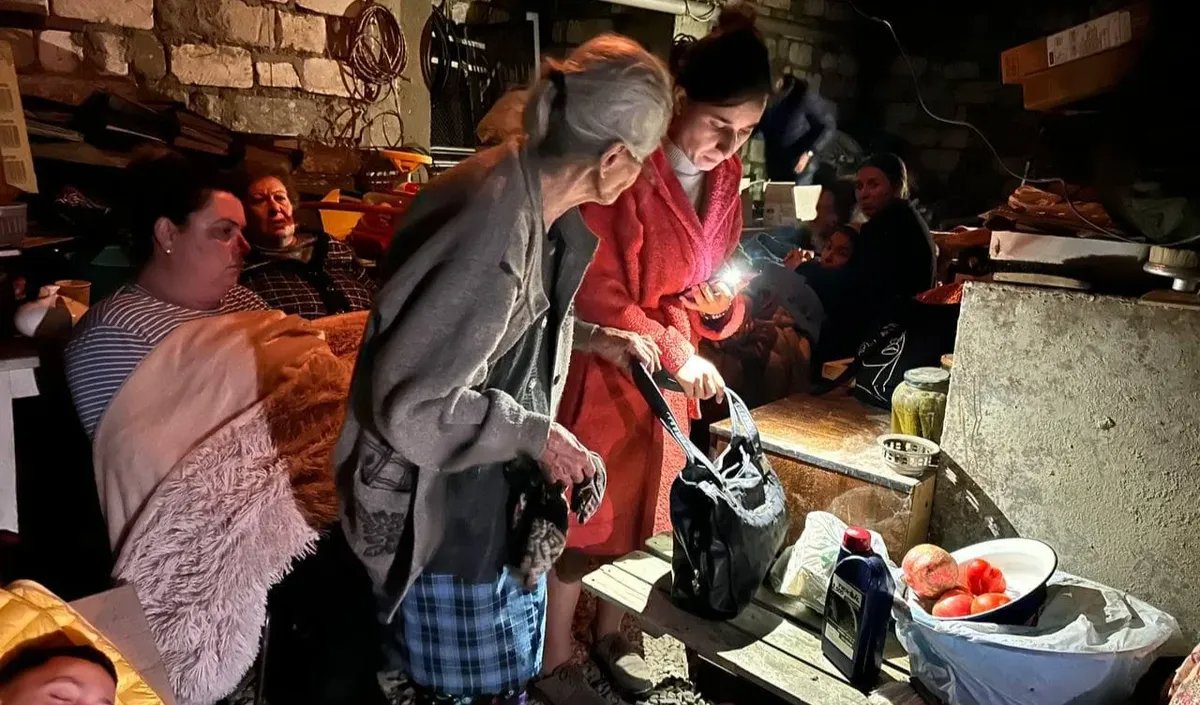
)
(898, 259)
(893, 260)
(796, 126)
(308, 274)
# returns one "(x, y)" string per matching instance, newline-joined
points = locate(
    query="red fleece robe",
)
(653, 248)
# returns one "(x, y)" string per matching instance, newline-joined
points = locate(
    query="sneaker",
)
(623, 665)
(566, 686)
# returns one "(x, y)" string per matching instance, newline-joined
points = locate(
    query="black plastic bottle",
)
(858, 610)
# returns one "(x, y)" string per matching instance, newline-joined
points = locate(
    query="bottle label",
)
(843, 611)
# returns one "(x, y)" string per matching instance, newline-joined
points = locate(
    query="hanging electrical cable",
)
(1057, 180)
(376, 57)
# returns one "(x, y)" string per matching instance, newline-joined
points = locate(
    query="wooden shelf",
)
(79, 153)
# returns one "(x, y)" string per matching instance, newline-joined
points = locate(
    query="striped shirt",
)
(118, 333)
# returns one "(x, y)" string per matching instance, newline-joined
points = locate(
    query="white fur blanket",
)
(231, 515)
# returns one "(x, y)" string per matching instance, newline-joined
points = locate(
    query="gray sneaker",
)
(566, 686)
(623, 665)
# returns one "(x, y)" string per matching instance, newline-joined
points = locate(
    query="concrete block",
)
(270, 116)
(324, 76)
(221, 66)
(147, 55)
(326, 7)
(108, 52)
(1072, 418)
(302, 32)
(276, 74)
(800, 55)
(138, 14)
(60, 52)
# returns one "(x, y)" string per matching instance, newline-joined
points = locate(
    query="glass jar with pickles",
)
(919, 403)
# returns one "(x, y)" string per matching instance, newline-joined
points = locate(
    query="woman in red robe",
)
(655, 274)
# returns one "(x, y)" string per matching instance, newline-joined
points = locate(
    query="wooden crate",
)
(1020, 62)
(825, 452)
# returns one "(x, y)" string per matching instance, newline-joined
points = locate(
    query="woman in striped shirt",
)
(187, 237)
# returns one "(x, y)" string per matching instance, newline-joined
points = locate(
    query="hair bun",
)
(736, 18)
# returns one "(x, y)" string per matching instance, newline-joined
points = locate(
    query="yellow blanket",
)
(29, 611)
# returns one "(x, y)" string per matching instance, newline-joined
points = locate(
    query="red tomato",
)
(955, 603)
(981, 577)
(989, 601)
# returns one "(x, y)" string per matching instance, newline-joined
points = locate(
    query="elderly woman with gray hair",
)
(450, 467)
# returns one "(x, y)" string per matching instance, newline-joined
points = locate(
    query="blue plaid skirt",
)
(464, 639)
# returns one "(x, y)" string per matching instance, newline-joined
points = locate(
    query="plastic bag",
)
(804, 569)
(1090, 646)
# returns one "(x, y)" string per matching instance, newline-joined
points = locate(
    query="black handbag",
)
(914, 335)
(728, 516)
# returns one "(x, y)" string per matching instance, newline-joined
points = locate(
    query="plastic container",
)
(858, 610)
(919, 403)
(909, 455)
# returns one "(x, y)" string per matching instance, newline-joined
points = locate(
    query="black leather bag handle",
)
(658, 404)
(742, 422)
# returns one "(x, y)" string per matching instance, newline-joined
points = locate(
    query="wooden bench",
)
(775, 643)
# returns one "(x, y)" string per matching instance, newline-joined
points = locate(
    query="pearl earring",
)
(168, 250)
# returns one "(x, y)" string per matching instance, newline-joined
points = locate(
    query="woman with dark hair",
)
(897, 253)
(187, 239)
(308, 274)
(662, 246)
(893, 259)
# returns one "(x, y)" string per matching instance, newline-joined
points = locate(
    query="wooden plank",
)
(722, 643)
(790, 608)
(778, 630)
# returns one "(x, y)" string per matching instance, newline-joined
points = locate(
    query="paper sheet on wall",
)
(805, 199)
(14, 139)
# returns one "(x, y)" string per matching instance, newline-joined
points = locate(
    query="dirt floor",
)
(665, 656)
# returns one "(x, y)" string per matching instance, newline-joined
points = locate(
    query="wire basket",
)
(912, 456)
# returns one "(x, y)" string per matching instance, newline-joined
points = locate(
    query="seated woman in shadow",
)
(213, 420)
(308, 274)
(894, 260)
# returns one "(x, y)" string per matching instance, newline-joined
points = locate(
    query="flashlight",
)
(732, 276)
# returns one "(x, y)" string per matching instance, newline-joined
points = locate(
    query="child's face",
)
(838, 250)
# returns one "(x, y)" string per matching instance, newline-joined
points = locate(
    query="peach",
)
(930, 570)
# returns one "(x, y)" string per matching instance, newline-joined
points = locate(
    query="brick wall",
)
(257, 66)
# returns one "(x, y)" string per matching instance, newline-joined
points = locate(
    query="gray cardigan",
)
(464, 284)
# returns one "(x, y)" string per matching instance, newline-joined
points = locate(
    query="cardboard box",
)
(14, 138)
(1078, 80)
(1113, 30)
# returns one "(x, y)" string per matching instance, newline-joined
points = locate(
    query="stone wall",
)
(258, 66)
